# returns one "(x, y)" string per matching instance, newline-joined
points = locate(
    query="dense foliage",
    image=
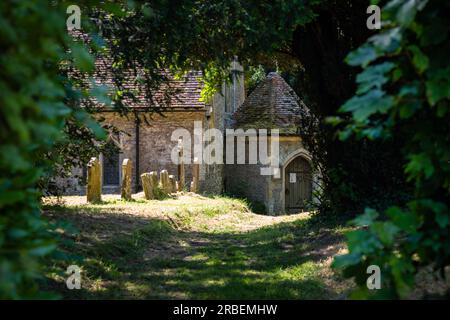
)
(404, 90)
(325, 82)
(33, 114)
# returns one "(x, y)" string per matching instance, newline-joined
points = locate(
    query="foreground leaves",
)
(404, 88)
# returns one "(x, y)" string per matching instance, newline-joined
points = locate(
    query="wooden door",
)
(298, 184)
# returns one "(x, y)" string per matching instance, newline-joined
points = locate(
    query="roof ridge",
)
(273, 96)
(272, 104)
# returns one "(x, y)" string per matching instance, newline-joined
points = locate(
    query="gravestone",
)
(154, 179)
(126, 179)
(146, 185)
(149, 184)
(164, 181)
(181, 171)
(195, 175)
(94, 182)
(173, 183)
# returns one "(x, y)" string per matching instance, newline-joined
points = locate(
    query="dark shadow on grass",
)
(147, 258)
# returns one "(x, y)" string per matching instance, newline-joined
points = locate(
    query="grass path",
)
(194, 247)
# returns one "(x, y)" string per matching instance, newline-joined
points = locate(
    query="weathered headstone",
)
(195, 175)
(126, 180)
(154, 178)
(149, 184)
(164, 181)
(145, 180)
(173, 183)
(181, 171)
(94, 182)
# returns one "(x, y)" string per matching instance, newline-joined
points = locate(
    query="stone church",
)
(147, 140)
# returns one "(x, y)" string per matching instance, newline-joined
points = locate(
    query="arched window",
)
(111, 165)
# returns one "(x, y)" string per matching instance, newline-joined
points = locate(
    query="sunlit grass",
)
(191, 246)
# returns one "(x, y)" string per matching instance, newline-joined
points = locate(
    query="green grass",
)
(200, 252)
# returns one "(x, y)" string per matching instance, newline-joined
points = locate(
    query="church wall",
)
(245, 180)
(223, 104)
(212, 175)
(155, 145)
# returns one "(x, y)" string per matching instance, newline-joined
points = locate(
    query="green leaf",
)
(362, 107)
(407, 12)
(96, 128)
(43, 249)
(397, 74)
(54, 109)
(419, 164)
(439, 208)
(407, 109)
(407, 221)
(386, 231)
(387, 42)
(362, 56)
(82, 59)
(402, 270)
(373, 133)
(10, 197)
(442, 219)
(373, 77)
(345, 134)
(409, 90)
(363, 242)
(89, 122)
(438, 86)
(346, 260)
(114, 8)
(365, 219)
(334, 121)
(100, 93)
(16, 233)
(420, 60)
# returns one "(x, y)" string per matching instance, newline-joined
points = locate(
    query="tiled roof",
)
(272, 104)
(179, 93)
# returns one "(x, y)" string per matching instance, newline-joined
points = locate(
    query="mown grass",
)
(210, 249)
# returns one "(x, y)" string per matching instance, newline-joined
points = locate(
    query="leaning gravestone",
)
(126, 180)
(149, 184)
(164, 180)
(94, 184)
(173, 183)
(145, 179)
(154, 180)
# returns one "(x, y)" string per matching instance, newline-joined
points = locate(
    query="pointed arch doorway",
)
(297, 184)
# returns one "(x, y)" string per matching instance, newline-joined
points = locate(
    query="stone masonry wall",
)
(155, 145)
(223, 104)
(246, 179)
